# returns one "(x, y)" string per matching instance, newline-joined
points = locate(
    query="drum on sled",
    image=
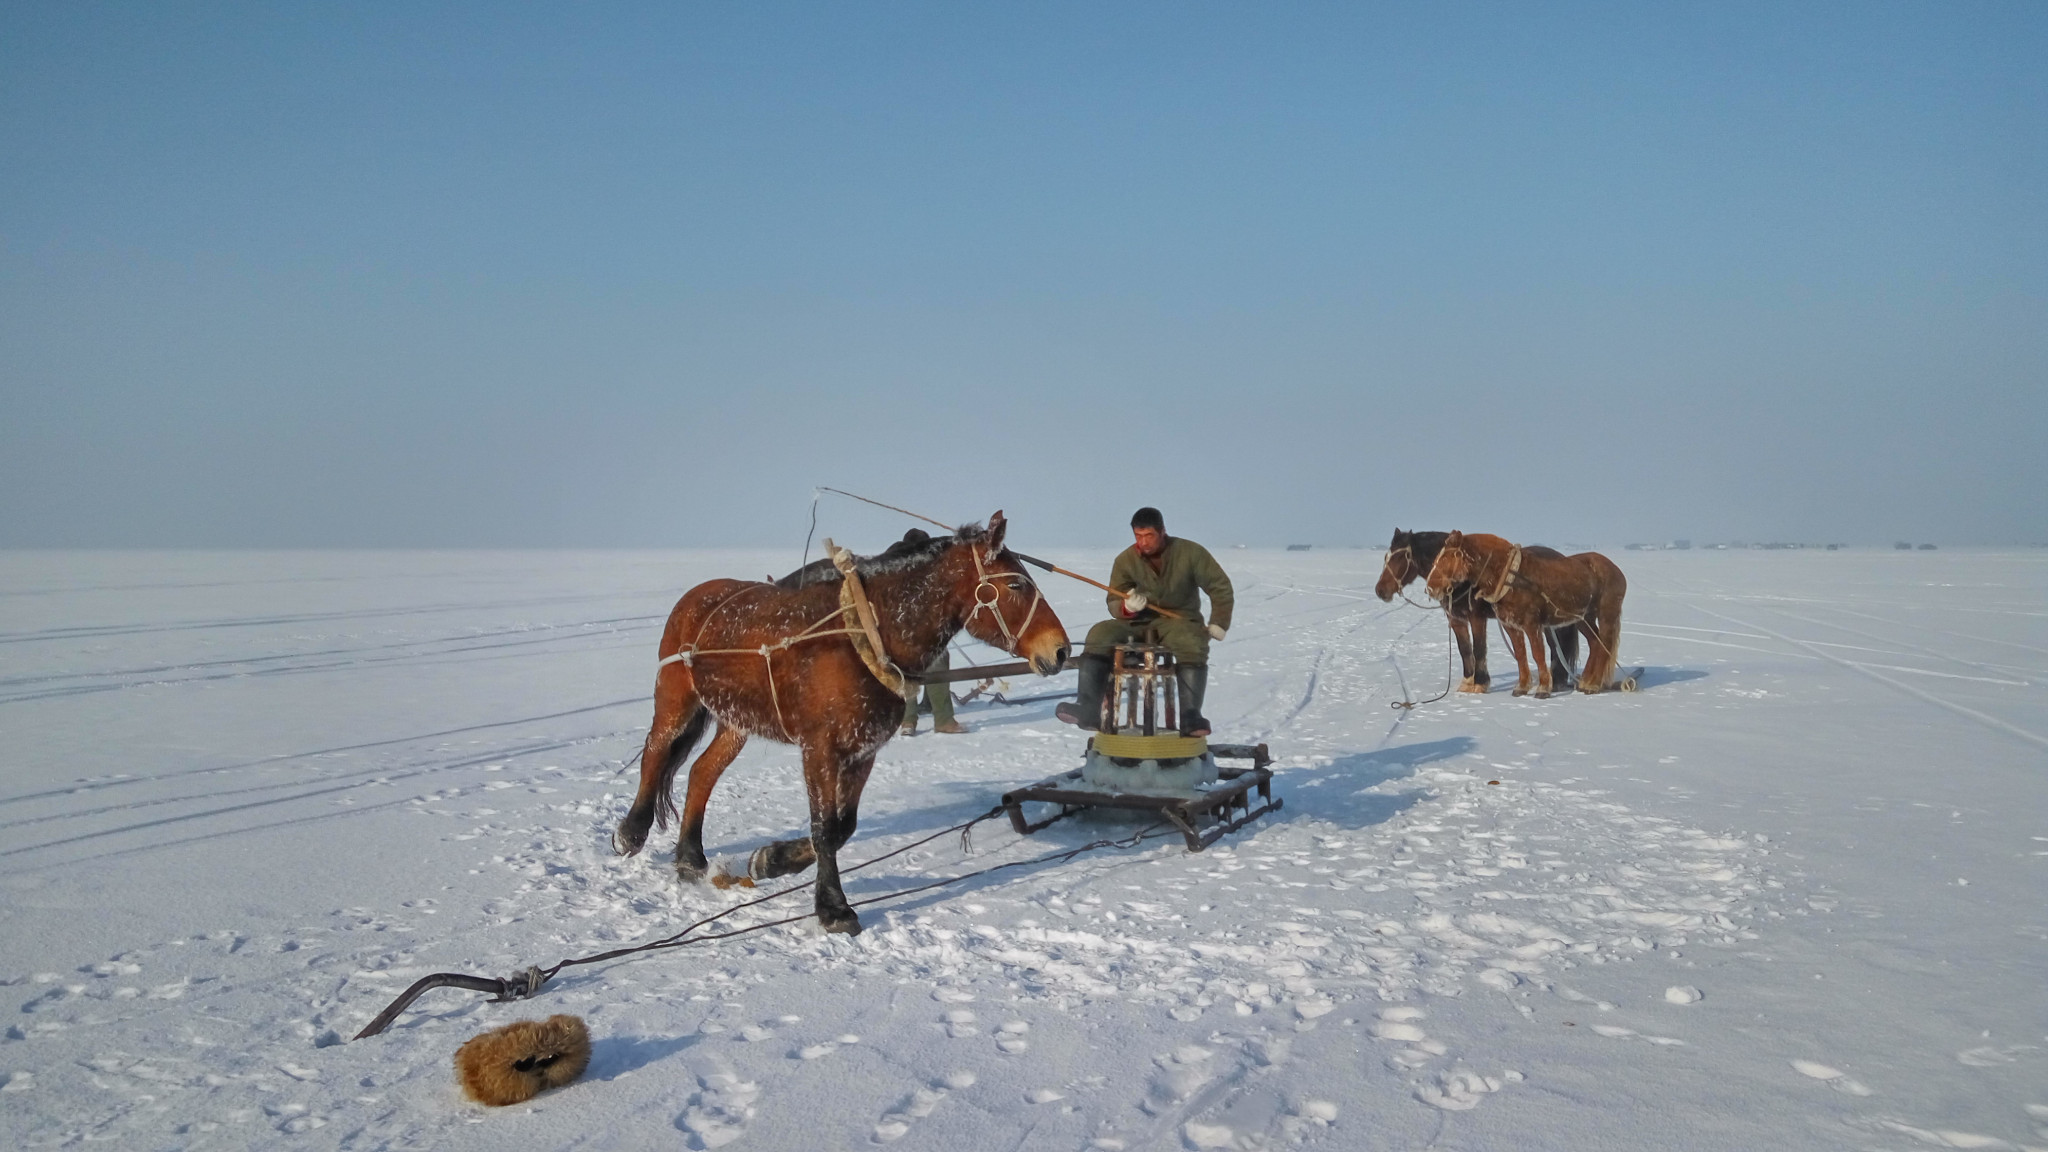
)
(1138, 761)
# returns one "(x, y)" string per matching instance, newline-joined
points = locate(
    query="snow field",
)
(246, 811)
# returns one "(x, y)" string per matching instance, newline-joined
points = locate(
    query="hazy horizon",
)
(481, 276)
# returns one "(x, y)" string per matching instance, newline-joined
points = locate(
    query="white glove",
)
(1134, 603)
(1217, 631)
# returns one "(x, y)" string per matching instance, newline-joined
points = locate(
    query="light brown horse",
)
(1409, 558)
(1531, 592)
(724, 658)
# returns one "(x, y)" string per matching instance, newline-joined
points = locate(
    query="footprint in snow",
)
(960, 1024)
(1011, 1040)
(895, 1123)
(1834, 1078)
(1461, 1089)
(1990, 1057)
(720, 1111)
(1397, 1025)
(1617, 1032)
(1180, 1073)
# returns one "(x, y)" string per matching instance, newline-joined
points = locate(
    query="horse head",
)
(1453, 565)
(1398, 568)
(1005, 608)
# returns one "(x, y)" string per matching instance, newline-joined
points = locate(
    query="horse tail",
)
(679, 750)
(1612, 587)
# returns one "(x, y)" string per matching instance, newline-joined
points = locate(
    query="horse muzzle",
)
(1049, 665)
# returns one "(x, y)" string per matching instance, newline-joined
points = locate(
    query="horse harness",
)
(1507, 578)
(1402, 589)
(866, 635)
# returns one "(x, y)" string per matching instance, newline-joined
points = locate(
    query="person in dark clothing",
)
(1162, 570)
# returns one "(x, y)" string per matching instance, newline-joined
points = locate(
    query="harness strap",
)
(867, 642)
(1507, 578)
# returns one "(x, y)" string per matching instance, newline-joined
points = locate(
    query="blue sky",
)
(438, 275)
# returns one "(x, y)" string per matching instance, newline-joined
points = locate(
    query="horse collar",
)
(1507, 578)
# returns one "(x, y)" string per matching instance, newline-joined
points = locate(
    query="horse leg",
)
(835, 811)
(782, 858)
(1481, 679)
(1540, 658)
(1564, 653)
(704, 774)
(1470, 639)
(679, 720)
(1518, 641)
(1586, 682)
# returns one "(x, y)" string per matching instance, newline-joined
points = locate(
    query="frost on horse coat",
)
(816, 692)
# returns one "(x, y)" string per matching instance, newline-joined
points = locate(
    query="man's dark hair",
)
(1148, 518)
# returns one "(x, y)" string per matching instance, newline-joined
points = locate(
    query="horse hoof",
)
(1475, 689)
(844, 921)
(1521, 691)
(1541, 695)
(625, 843)
(692, 873)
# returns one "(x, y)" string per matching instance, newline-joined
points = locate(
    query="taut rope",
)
(528, 982)
(1031, 560)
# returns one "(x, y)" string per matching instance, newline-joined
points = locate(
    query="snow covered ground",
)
(1790, 895)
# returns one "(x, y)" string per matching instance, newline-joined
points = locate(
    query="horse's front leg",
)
(718, 756)
(835, 785)
(1539, 656)
(1519, 641)
(1471, 638)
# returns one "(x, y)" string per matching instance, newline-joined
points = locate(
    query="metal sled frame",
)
(1230, 803)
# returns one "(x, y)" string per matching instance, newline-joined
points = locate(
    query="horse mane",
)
(897, 557)
(918, 555)
(1424, 546)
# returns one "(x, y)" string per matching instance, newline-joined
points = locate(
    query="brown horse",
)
(1409, 558)
(778, 662)
(1531, 592)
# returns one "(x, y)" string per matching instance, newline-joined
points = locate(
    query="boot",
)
(1194, 681)
(1086, 710)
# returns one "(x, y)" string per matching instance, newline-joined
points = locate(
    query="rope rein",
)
(528, 982)
(1402, 591)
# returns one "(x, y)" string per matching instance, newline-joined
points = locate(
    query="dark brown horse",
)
(1409, 558)
(1531, 592)
(724, 657)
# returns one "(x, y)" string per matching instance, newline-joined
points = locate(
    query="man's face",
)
(1150, 541)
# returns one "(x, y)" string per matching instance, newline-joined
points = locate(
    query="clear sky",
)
(498, 275)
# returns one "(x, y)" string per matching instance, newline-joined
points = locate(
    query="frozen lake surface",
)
(1790, 895)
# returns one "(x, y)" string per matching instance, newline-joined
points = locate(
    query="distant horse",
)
(1409, 558)
(1530, 592)
(782, 663)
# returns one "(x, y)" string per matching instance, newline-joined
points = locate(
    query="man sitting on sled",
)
(1159, 571)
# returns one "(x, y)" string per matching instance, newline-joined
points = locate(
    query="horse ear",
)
(997, 526)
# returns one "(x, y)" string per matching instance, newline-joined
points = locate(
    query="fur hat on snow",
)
(517, 1062)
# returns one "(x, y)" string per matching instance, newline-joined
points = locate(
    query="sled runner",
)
(1139, 762)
